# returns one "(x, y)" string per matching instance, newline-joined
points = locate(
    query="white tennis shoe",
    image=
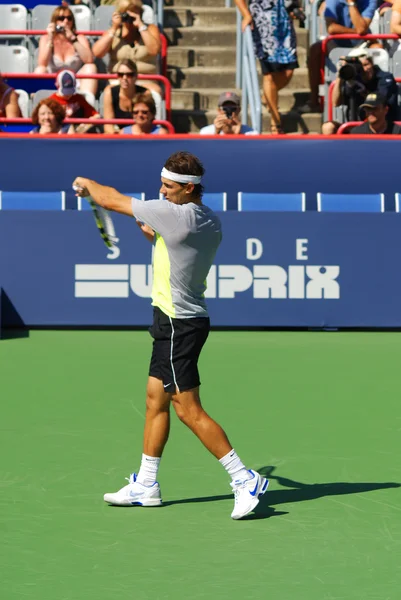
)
(247, 494)
(135, 494)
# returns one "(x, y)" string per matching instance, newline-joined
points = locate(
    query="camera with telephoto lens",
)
(351, 70)
(126, 18)
(59, 29)
(229, 111)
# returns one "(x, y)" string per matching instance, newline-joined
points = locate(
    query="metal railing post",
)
(239, 44)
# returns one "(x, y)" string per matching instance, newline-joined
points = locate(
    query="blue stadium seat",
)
(32, 200)
(350, 203)
(272, 202)
(84, 205)
(215, 201)
(397, 202)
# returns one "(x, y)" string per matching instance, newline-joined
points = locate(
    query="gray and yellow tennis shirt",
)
(186, 240)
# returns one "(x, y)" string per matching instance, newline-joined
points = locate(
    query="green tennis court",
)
(319, 412)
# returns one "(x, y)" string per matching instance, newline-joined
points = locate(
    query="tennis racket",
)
(103, 221)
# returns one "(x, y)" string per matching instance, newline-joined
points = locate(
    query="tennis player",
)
(186, 235)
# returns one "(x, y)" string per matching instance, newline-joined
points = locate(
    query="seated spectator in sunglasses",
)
(9, 107)
(75, 104)
(228, 121)
(129, 37)
(143, 112)
(48, 116)
(118, 99)
(61, 48)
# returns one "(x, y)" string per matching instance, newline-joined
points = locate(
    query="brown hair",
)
(55, 107)
(131, 5)
(126, 62)
(146, 99)
(186, 163)
(62, 9)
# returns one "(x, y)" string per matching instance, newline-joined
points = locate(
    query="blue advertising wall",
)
(278, 270)
(272, 269)
(247, 165)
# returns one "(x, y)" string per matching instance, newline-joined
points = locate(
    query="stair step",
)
(293, 122)
(194, 3)
(199, 16)
(206, 99)
(211, 56)
(201, 36)
(204, 77)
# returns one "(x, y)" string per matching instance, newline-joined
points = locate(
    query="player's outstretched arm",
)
(105, 196)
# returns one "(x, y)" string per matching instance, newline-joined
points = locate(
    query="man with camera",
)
(377, 120)
(357, 77)
(341, 16)
(227, 121)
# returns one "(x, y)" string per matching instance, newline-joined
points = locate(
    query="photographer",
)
(341, 16)
(61, 48)
(227, 121)
(357, 77)
(130, 38)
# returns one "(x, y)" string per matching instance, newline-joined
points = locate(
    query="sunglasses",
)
(69, 18)
(140, 112)
(129, 75)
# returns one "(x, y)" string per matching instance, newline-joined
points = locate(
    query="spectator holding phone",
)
(130, 38)
(227, 121)
(62, 48)
(144, 111)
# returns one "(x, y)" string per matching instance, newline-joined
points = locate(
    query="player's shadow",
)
(296, 492)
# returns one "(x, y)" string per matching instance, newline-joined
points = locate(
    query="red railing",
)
(350, 124)
(160, 78)
(95, 33)
(93, 121)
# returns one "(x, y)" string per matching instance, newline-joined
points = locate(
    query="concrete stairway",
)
(201, 65)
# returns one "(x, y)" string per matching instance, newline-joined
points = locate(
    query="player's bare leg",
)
(189, 410)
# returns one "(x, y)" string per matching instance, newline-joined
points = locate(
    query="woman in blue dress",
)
(275, 46)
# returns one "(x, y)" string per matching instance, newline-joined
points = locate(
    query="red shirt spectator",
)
(75, 105)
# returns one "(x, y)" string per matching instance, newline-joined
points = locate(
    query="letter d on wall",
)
(254, 249)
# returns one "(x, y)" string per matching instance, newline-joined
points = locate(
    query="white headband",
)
(180, 178)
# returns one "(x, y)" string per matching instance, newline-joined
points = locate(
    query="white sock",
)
(234, 466)
(148, 470)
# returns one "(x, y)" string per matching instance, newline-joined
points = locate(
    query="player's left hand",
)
(79, 185)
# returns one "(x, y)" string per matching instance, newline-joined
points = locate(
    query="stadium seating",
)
(13, 16)
(350, 203)
(41, 15)
(215, 201)
(397, 202)
(41, 94)
(83, 16)
(271, 202)
(23, 102)
(32, 200)
(14, 59)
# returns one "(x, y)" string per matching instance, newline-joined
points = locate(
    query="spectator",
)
(61, 48)
(356, 78)
(342, 16)
(48, 116)
(117, 99)
(75, 104)
(129, 37)
(227, 121)
(376, 118)
(9, 107)
(144, 112)
(275, 46)
(395, 23)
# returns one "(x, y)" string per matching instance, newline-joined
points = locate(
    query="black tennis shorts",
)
(177, 344)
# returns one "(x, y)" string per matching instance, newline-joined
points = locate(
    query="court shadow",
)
(297, 492)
